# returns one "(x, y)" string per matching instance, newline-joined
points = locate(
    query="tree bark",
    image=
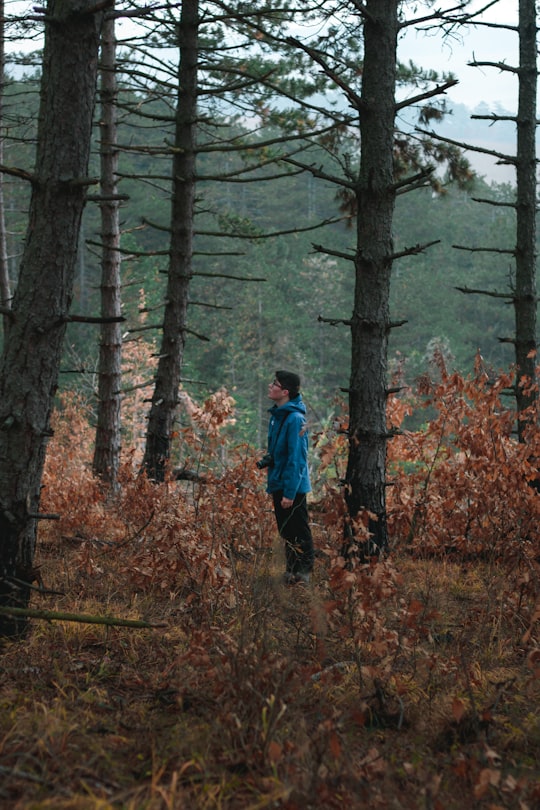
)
(5, 286)
(107, 445)
(165, 395)
(525, 292)
(370, 323)
(30, 360)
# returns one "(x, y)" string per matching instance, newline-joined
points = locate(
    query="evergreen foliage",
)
(255, 327)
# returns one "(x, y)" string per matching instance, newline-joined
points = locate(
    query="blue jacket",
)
(288, 444)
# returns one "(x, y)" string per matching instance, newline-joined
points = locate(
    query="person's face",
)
(277, 393)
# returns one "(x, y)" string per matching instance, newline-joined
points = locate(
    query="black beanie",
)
(290, 381)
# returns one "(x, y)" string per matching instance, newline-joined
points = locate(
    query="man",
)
(288, 475)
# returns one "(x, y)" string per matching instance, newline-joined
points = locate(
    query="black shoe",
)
(296, 579)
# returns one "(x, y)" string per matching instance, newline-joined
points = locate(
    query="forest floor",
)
(264, 701)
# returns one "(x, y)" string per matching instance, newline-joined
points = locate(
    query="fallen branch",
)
(83, 618)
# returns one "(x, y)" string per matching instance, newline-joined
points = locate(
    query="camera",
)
(266, 461)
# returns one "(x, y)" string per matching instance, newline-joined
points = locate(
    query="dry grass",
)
(412, 684)
(264, 700)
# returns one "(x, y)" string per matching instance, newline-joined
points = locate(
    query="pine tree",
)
(106, 459)
(30, 361)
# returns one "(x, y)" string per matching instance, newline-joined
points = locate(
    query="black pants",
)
(293, 526)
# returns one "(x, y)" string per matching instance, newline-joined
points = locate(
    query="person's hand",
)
(286, 503)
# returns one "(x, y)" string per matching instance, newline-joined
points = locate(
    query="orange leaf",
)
(458, 709)
(335, 746)
(275, 751)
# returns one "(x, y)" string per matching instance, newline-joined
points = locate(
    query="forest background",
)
(240, 330)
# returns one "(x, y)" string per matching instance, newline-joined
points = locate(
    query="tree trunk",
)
(30, 360)
(5, 287)
(375, 196)
(525, 292)
(165, 396)
(107, 446)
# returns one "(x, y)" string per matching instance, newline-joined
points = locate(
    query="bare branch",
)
(197, 335)
(467, 146)
(334, 321)
(500, 65)
(318, 172)
(88, 319)
(415, 181)
(13, 171)
(494, 117)
(509, 252)
(228, 275)
(450, 19)
(329, 252)
(413, 251)
(490, 293)
(83, 618)
(440, 89)
(494, 202)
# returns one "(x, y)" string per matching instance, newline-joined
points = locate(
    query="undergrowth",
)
(408, 682)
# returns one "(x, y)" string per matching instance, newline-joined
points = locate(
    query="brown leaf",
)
(458, 709)
(335, 745)
(275, 752)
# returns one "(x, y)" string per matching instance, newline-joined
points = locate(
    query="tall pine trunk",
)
(525, 303)
(370, 324)
(5, 287)
(107, 445)
(30, 361)
(171, 356)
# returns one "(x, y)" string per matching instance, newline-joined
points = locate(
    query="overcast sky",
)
(431, 51)
(480, 43)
